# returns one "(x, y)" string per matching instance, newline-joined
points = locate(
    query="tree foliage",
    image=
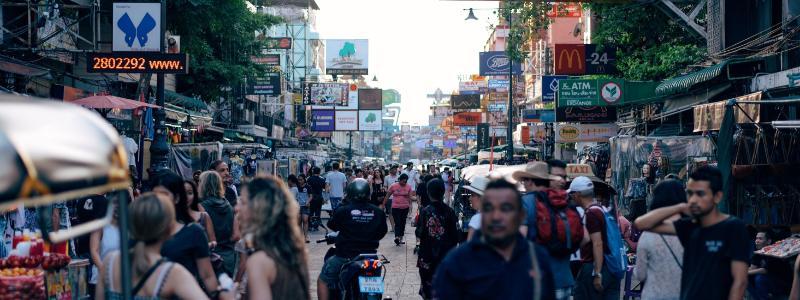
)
(651, 46)
(528, 19)
(219, 36)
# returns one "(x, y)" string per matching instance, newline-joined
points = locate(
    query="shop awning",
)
(184, 101)
(684, 83)
(254, 130)
(238, 136)
(19, 67)
(683, 103)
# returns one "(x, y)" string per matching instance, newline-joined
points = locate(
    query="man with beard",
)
(231, 194)
(716, 250)
(498, 263)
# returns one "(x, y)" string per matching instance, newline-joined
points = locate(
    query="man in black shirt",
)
(716, 250)
(317, 185)
(438, 233)
(361, 226)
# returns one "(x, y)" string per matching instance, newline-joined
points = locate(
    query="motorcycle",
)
(362, 278)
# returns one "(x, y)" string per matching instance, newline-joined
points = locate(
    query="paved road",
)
(402, 278)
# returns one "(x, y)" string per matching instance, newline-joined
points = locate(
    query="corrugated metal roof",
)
(684, 83)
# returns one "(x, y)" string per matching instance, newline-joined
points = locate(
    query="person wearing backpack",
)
(603, 255)
(551, 222)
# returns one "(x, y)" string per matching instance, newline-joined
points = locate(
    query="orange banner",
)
(467, 119)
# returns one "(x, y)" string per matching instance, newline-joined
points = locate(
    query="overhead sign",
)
(269, 84)
(278, 43)
(497, 63)
(466, 119)
(271, 60)
(137, 62)
(498, 83)
(472, 87)
(347, 57)
(369, 120)
(590, 92)
(136, 27)
(538, 116)
(325, 94)
(346, 120)
(550, 87)
(586, 114)
(483, 136)
(565, 10)
(572, 133)
(370, 99)
(323, 120)
(465, 101)
(584, 59)
(496, 107)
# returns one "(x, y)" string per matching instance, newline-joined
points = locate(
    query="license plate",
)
(372, 285)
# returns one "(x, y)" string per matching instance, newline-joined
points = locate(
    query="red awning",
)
(109, 102)
(21, 68)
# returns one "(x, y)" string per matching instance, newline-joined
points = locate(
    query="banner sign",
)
(325, 94)
(450, 143)
(346, 120)
(572, 133)
(483, 137)
(580, 59)
(269, 85)
(497, 63)
(465, 101)
(137, 27)
(590, 92)
(370, 99)
(472, 87)
(278, 43)
(538, 116)
(137, 62)
(496, 107)
(466, 119)
(498, 83)
(550, 87)
(369, 120)
(323, 120)
(586, 114)
(565, 10)
(347, 57)
(272, 60)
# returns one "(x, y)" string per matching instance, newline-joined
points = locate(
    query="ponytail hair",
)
(151, 220)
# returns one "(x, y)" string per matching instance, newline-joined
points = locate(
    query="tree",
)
(651, 46)
(219, 36)
(528, 19)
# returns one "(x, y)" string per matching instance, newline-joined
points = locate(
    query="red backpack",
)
(558, 225)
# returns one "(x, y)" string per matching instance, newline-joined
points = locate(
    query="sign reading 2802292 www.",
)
(137, 62)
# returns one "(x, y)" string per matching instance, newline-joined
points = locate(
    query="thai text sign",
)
(590, 92)
(496, 63)
(586, 114)
(269, 84)
(550, 87)
(571, 133)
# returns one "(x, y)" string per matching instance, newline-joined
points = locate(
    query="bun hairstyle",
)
(151, 218)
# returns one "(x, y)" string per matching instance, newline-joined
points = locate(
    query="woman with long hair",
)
(199, 213)
(188, 244)
(212, 193)
(377, 187)
(278, 267)
(151, 219)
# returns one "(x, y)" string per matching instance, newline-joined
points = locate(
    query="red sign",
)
(569, 59)
(466, 119)
(565, 10)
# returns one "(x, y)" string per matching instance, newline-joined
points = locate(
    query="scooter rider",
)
(361, 226)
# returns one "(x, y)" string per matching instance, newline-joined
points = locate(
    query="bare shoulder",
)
(259, 264)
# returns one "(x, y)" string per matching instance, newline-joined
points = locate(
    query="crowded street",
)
(399, 150)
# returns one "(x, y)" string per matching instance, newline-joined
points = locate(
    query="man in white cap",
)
(476, 187)
(594, 281)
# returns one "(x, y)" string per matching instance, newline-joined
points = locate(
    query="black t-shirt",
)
(361, 226)
(316, 185)
(186, 246)
(86, 210)
(707, 256)
(779, 272)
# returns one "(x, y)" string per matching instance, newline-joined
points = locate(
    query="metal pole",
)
(510, 130)
(350, 146)
(160, 148)
(124, 256)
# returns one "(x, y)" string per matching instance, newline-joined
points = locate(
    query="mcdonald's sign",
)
(570, 59)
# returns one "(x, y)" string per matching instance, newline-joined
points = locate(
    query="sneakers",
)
(396, 242)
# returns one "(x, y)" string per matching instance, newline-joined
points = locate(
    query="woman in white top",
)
(101, 242)
(659, 258)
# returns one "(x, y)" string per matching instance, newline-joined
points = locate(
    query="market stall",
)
(74, 153)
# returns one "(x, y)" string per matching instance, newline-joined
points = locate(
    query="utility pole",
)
(510, 108)
(160, 148)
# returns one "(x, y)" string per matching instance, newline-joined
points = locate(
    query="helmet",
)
(358, 190)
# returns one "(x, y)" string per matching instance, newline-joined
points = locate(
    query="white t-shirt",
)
(337, 181)
(130, 148)
(413, 177)
(389, 180)
(475, 221)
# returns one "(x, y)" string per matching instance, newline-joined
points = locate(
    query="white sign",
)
(346, 120)
(347, 57)
(611, 92)
(572, 133)
(369, 120)
(136, 27)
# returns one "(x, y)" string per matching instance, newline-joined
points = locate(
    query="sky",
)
(415, 46)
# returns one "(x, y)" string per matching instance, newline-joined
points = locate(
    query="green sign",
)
(577, 92)
(604, 92)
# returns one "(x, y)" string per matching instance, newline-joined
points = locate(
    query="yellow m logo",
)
(572, 55)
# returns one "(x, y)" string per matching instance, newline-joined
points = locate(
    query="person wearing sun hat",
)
(476, 187)
(534, 178)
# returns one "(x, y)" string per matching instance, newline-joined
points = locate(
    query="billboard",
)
(483, 136)
(584, 59)
(323, 120)
(496, 63)
(550, 87)
(269, 84)
(471, 87)
(586, 114)
(347, 57)
(565, 10)
(369, 120)
(136, 27)
(499, 83)
(278, 43)
(325, 94)
(467, 118)
(370, 99)
(271, 60)
(571, 133)
(538, 116)
(496, 106)
(465, 101)
(346, 120)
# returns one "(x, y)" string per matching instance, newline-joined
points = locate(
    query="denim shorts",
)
(331, 269)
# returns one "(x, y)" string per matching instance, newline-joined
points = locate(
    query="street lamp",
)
(510, 129)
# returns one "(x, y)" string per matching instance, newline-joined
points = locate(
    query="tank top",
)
(109, 242)
(111, 294)
(288, 284)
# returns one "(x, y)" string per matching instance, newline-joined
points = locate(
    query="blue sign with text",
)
(550, 87)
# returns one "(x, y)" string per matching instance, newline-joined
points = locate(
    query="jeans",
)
(584, 289)
(400, 216)
(335, 203)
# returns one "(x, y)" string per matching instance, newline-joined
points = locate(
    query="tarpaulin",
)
(185, 158)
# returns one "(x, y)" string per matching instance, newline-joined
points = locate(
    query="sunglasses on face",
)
(699, 193)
